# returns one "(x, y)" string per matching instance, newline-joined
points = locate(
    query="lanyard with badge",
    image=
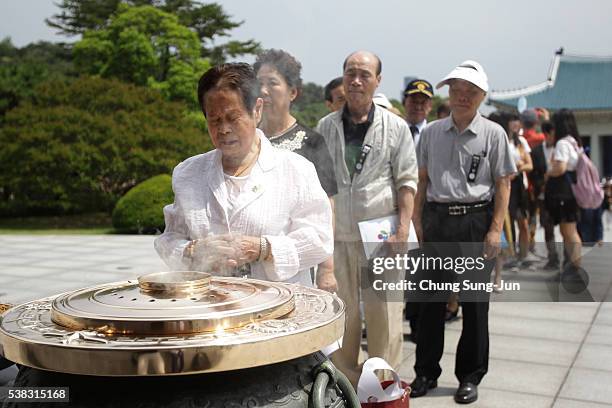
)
(474, 168)
(365, 150)
(476, 159)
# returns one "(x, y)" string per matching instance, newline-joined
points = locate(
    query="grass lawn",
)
(98, 223)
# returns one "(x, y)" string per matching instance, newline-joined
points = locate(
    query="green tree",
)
(77, 146)
(309, 107)
(310, 114)
(399, 106)
(209, 21)
(145, 46)
(7, 50)
(311, 93)
(21, 69)
(436, 101)
(78, 16)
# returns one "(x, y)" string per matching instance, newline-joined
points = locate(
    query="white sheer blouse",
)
(281, 200)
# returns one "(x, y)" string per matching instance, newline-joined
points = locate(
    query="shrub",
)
(141, 209)
(78, 146)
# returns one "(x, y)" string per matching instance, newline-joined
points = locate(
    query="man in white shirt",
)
(417, 103)
(464, 186)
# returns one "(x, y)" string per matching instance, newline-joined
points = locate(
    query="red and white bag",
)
(373, 393)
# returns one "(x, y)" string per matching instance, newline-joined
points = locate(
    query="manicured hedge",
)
(141, 209)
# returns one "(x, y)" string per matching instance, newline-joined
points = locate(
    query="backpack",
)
(587, 190)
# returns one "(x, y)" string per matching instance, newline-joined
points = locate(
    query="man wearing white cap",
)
(463, 190)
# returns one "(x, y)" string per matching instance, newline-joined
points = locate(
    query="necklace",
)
(242, 169)
(282, 133)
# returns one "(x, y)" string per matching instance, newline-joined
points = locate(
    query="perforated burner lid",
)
(172, 303)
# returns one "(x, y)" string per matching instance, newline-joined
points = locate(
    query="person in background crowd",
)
(417, 104)
(381, 100)
(280, 81)
(500, 259)
(543, 114)
(376, 169)
(464, 186)
(590, 224)
(519, 203)
(607, 202)
(443, 111)
(508, 244)
(244, 208)
(541, 156)
(529, 120)
(334, 95)
(559, 197)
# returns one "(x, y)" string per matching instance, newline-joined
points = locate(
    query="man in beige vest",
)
(376, 172)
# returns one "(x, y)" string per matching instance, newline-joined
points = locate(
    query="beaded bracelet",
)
(263, 249)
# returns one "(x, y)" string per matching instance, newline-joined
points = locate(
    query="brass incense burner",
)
(171, 323)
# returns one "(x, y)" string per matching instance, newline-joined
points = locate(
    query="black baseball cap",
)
(419, 86)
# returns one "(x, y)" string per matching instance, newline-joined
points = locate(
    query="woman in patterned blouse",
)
(278, 73)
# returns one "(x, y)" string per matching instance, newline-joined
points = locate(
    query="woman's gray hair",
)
(237, 76)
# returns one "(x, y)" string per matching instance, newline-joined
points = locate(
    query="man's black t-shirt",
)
(354, 135)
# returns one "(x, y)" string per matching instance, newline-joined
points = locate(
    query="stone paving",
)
(542, 354)
(37, 266)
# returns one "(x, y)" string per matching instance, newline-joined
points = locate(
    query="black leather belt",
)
(460, 208)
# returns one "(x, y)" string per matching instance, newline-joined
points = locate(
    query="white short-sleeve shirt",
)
(447, 156)
(515, 152)
(565, 152)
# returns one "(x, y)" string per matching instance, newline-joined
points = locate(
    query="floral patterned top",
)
(311, 145)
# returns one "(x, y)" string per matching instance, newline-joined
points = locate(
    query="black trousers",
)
(548, 225)
(455, 236)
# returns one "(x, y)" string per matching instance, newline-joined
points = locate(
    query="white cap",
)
(381, 100)
(470, 71)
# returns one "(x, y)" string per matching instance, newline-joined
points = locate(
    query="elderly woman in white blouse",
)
(246, 203)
